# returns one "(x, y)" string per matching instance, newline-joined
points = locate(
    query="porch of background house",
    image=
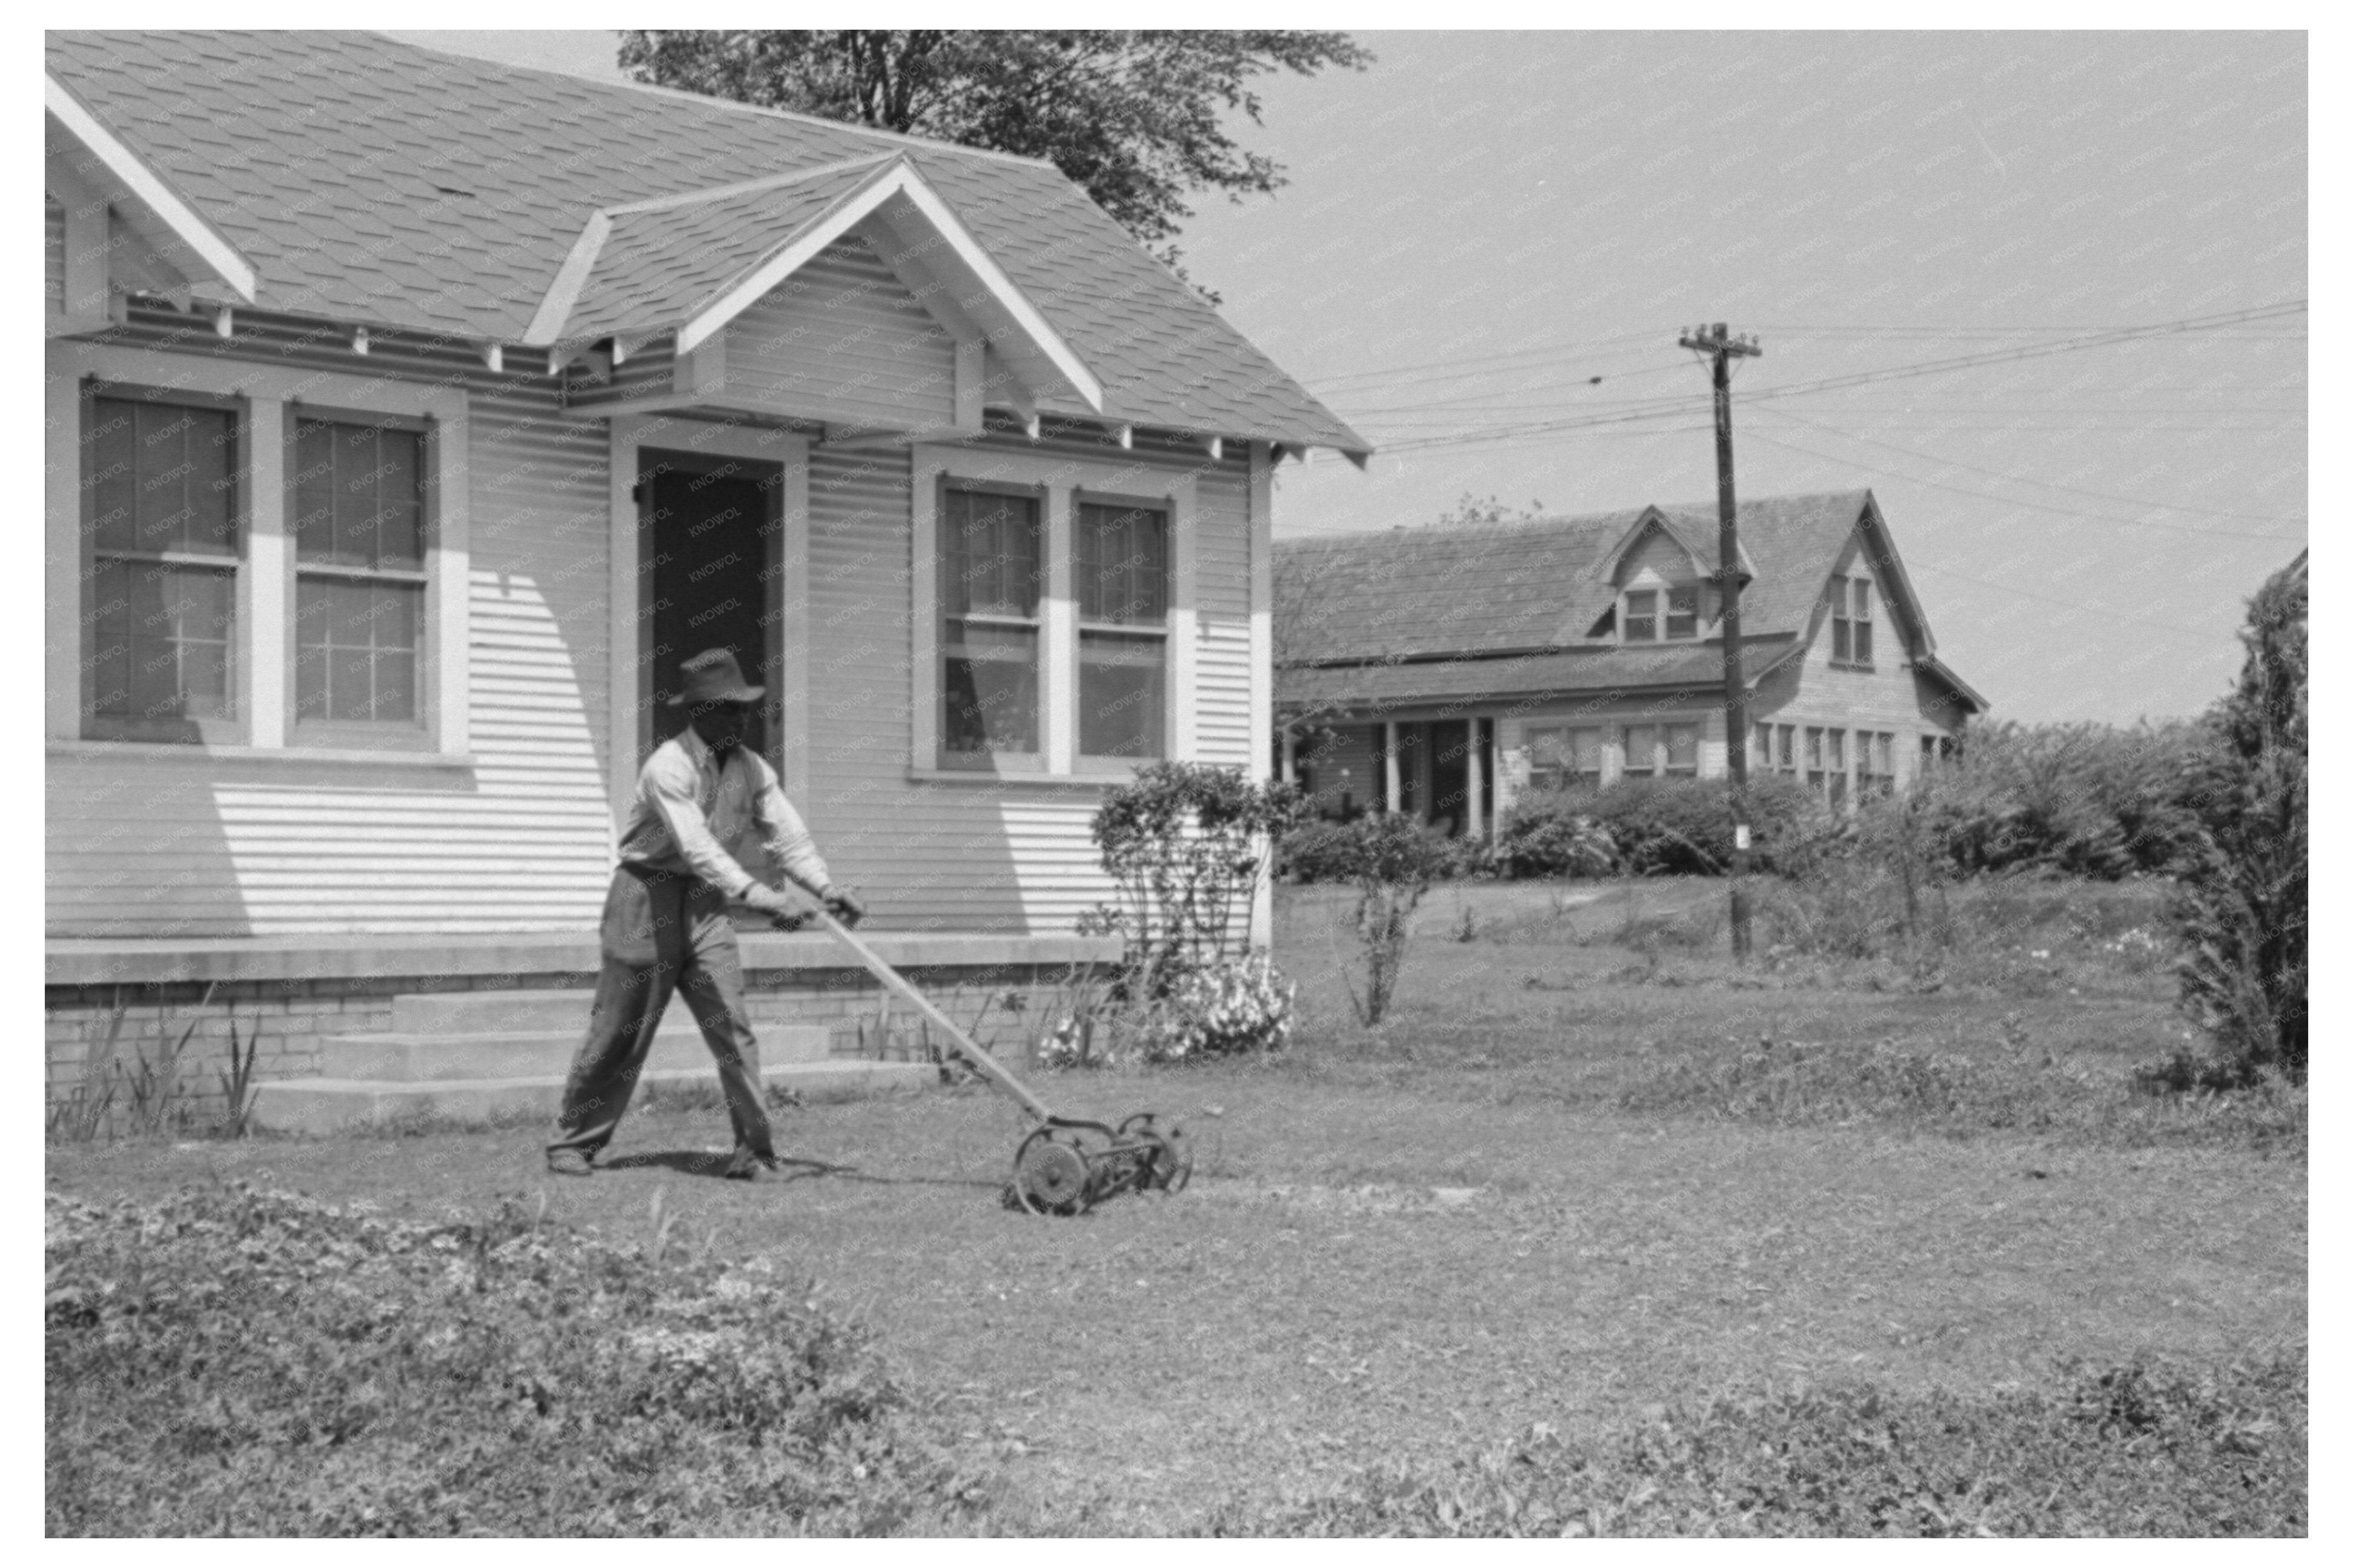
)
(1442, 772)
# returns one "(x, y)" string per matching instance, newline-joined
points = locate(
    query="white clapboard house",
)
(410, 416)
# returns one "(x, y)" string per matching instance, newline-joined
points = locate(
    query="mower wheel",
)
(1051, 1174)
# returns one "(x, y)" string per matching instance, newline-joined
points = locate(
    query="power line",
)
(2039, 484)
(1627, 337)
(1926, 367)
(2070, 604)
(2036, 505)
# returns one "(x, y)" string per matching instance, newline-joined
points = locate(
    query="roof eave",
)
(132, 179)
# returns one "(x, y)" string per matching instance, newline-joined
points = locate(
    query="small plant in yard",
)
(1230, 1009)
(1393, 860)
(227, 1360)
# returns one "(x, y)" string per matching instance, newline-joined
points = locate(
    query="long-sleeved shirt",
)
(690, 806)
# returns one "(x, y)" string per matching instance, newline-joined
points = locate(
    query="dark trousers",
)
(662, 932)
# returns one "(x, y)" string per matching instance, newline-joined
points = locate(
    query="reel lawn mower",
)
(1066, 1164)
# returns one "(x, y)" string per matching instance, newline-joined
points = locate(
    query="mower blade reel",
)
(1052, 1174)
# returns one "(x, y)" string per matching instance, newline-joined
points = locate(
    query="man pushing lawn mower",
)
(665, 926)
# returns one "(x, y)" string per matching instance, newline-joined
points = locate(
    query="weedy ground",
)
(1598, 1233)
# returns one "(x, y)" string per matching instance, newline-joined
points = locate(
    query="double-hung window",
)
(1122, 590)
(1876, 757)
(1816, 778)
(1642, 618)
(1683, 612)
(1642, 750)
(1850, 621)
(1562, 756)
(358, 489)
(1837, 767)
(163, 526)
(1682, 744)
(991, 550)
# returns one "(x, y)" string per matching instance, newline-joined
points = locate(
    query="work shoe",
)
(569, 1162)
(745, 1165)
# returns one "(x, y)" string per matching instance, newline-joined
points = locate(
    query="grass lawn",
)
(1546, 1191)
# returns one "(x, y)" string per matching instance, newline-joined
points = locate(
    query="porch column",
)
(1390, 791)
(1475, 784)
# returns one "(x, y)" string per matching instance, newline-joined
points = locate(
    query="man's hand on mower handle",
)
(844, 905)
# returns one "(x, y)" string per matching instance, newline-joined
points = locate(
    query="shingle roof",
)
(373, 181)
(1411, 614)
(1496, 587)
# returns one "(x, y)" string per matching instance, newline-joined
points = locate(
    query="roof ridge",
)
(1537, 524)
(746, 187)
(725, 103)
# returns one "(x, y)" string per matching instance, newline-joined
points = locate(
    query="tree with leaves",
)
(1131, 116)
(2243, 908)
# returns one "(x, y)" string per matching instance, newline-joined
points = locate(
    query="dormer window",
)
(1850, 621)
(1654, 615)
(1642, 620)
(1683, 612)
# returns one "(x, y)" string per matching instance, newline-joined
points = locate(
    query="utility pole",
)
(1723, 348)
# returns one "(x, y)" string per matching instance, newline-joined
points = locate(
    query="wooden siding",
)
(186, 845)
(999, 855)
(53, 273)
(842, 340)
(143, 843)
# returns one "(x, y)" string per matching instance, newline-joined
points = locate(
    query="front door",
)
(1449, 775)
(711, 534)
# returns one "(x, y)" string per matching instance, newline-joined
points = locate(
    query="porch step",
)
(317, 1106)
(411, 1057)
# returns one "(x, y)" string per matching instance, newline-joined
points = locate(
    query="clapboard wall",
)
(184, 842)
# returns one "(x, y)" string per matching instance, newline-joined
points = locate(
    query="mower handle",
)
(980, 1060)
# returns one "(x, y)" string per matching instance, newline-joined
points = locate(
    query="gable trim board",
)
(129, 180)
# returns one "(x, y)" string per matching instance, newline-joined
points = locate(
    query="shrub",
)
(1184, 843)
(1318, 852)
(1392, 860)
(1550, 834)
(1660, 826)
(229, 1361)
(2243, 910)
(2086, 799)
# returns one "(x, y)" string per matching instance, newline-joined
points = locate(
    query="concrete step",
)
(317, 1106)
(402, 1056)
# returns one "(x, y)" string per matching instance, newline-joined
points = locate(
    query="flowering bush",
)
(1225, 1010)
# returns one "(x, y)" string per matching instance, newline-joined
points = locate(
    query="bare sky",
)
(1483, 223)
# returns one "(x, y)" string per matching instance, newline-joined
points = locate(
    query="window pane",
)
(990, 681)
(990, 552)
(1837, 751)
(162, 640)
(1863, 599)
(1862, 642)
(1813, 747)
(1682, 748)
(1683, 612)
(1585, 752)
(1642, 748)
(1122, 565)
(355, 649)
(1121, 708)
(314, 490)
(1841, 638)
(163, 476)
(1642, 616)
(400, 498)
(1547, 747)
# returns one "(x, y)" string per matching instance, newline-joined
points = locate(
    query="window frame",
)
(265, 590)
(1850, 621)
(992, 761)
(1084, 496)
(1064, 478)
(1566, 773)
(236, 726)
(1655, 620)
(389, 735)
